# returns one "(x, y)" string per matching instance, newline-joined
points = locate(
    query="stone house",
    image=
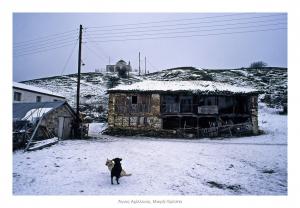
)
(27, 93)
(183, 108)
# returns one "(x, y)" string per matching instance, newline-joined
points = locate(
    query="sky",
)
(45, 44)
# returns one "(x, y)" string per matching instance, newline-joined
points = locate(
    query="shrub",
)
(258, 64)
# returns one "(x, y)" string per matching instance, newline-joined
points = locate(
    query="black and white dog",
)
(116, 170)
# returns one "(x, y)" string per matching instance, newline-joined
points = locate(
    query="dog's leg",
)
(111, 180)
(117, 178)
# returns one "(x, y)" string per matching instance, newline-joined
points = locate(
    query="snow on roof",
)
(35, 113)
(21, 109)
(207, 87)
(35, 89)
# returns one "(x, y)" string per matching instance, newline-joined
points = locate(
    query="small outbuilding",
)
(183, 108)
(42, 120)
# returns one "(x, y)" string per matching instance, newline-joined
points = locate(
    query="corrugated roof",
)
(20, 109)
(35, 89)
(204, 87)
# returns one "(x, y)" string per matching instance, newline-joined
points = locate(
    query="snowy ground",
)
(238, 166)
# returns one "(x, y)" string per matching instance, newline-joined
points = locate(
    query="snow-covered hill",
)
(272, 81)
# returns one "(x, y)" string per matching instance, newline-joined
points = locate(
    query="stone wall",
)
(51, 119)
(143, 120)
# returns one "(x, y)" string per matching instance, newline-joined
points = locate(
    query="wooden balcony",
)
(187, 108)
(134, 108)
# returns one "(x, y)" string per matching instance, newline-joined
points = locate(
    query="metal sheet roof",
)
(20, 109)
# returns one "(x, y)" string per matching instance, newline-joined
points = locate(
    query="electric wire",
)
(68, 59)
(190, 31)
(95, 53)
(44, 37)
(193, 23)
(49, 49)
(186, 36)
(43, 47)
(176, 20)
(180, 28)
(45, 44)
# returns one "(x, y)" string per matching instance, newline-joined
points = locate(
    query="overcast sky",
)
(45, 44)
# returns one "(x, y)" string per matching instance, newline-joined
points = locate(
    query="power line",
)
(45, 44)
(95, 53)
(44, 37)
(68, 59)
(174, 20)
(152, 66)
(56, 39)
(25, 54)
(196, 35)
(90, 38)
(193, 23)
(39, 48)
(191, 31)
(180, 28)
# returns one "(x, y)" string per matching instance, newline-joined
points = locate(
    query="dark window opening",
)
(186, 105)
(242, 105)
(226, 104)
(235, 120)
(188, 122)
(134, 100)
(207, 122)
(170, 104)
(145, 121)
(38, 99)
(237, 105)
(17, 96)
(171, 123)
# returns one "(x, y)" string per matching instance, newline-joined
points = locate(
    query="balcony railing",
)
(134, 108)
(188, 108)
(168, 108)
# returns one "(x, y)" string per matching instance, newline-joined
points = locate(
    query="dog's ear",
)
(120, 159)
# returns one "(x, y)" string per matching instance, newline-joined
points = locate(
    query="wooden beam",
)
(33, 134)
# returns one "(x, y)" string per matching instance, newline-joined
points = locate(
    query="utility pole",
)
(77, 131)
(145, 66)
(139, 63)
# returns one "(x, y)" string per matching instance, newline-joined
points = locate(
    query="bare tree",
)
(258, 64)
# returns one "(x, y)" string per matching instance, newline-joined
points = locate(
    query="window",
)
(17, 96)
(134, 100)
(38, 99)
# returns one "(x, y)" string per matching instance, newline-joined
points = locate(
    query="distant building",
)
(118, 66)
(23, 93)
(183, 108)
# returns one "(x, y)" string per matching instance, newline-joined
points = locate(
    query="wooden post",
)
(197, 126)
(33, 134)
(78, 133)
(139, 63)
(145, 65)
